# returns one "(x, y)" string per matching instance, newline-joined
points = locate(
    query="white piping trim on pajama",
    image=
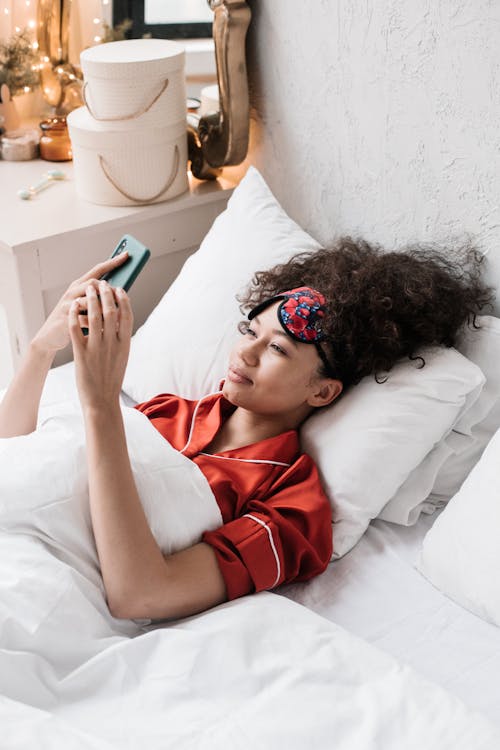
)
(273, 547)
(245, 460)
(193, 418)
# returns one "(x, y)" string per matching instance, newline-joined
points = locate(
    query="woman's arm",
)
(19, 407)
(139, 581)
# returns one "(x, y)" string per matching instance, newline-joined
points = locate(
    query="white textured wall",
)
(381, 118)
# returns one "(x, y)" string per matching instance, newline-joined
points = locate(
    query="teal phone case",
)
(127, 273)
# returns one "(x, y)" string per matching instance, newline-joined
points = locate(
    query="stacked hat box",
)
(129, 141)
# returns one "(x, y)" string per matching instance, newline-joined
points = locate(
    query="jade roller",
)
(51, 176)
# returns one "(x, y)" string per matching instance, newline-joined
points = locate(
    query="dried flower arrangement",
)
(19, 63)
(116, 33)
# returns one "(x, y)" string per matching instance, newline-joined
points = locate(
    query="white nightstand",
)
(48, 241)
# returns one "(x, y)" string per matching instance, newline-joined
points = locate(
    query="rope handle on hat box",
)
(171, 178)
(133, 116)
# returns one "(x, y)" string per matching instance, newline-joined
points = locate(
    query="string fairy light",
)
(16, 15)
(102, 20)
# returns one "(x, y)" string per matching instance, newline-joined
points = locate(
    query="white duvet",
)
(51, 592)
(260, 672)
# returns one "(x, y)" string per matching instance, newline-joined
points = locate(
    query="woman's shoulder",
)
(303, 475)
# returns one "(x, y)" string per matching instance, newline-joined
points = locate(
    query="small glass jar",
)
(19, 145)
(55, 144)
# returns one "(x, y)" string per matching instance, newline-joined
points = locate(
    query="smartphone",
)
(126, 274)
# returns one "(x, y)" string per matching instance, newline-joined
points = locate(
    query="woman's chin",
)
(235, 393)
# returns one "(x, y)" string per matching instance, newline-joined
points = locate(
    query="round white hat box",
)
(123, 167)
(141, 81)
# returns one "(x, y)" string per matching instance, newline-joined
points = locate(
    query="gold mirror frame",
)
(61, 81)
(53, 30)
(221, 139)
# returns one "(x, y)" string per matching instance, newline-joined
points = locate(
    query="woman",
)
(316, 325)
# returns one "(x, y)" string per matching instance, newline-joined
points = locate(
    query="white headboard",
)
(380, 118)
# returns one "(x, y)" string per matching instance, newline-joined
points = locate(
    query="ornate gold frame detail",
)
(221, 139)
(61, 81)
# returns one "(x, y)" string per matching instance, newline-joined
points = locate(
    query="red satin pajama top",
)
(277, 518)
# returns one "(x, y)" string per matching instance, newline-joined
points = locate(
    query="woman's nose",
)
(249, 351)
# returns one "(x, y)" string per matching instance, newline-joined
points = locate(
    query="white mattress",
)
(376, 593)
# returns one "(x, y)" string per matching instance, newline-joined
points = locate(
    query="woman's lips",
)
(238, 376)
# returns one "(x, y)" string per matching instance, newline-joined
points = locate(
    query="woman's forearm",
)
(19, 407)
(132, 564)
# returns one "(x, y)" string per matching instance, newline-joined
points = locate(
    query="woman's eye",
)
(245, 329)
(277, 348)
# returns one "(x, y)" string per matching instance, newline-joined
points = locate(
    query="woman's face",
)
(273, 375)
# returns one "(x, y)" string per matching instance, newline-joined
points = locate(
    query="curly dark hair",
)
(382, 306)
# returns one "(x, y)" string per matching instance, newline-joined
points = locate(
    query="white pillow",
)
(461, 553)
(471, 434)
(367, 444)
(183, 347)
(444, 469)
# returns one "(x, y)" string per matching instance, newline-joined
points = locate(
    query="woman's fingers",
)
(109, 310)
(126, 316)
(75, 330)
(106, 312)
(79, 289)
(81, 303)
(94, 315)
(101, 268)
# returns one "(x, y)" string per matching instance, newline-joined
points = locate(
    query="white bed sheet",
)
(376, 593)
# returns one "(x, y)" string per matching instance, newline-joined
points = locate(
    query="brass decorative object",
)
(221, 139)
(61, 81)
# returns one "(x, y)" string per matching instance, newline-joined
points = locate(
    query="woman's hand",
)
(54, 334)
(101, 356)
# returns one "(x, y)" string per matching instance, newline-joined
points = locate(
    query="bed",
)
(370, 654)
(376, 592)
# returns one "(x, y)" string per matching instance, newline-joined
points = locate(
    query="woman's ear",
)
(325, 392)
